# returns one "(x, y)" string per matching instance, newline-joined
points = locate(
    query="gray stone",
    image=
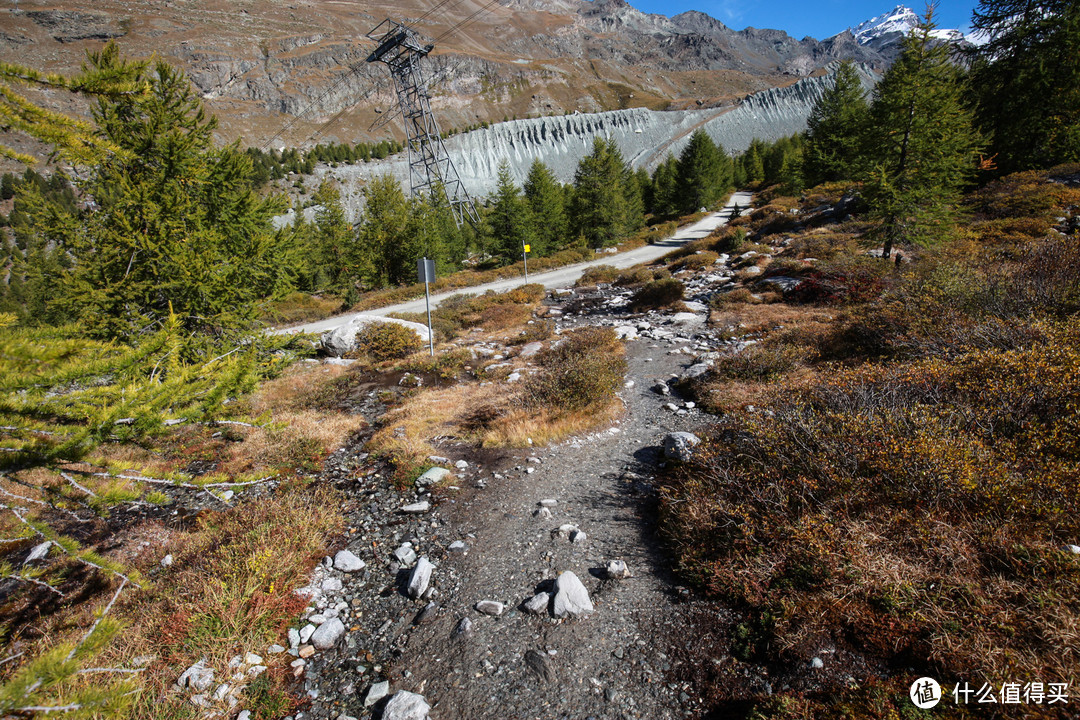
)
(342, 339)
(276, 649)
(405, 555)
(244, 715)
(294, 638)
(578, 536)
(571, 597)
(530, 349)
(376, 693)
(432, 476)
(416, 508)
(548, 503)
(331, 585)
(537, 604)
(405, 705)
(167, 561)
(696, 307)
(817, 663)
(345, 561)
(457, 546)
(617, 570)
(490, 607)
(661, 388)
(421, 576)
(687, 318)
(305, 633)
(542, 513)
(679, 445)
(328, 634)
(626, 332)
(198, 677)
(461, 464)
(540, 666)
(1074, 549)
(696, 370)
(463, 630)
(783, 283)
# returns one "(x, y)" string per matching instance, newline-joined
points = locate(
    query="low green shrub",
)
(583, 370)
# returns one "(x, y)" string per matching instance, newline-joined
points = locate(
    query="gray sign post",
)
(425, 271)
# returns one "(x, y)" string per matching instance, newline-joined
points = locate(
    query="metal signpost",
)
(425, 271)
(525, 256)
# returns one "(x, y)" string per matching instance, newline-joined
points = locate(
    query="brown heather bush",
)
(698, 261)
(733, 297)
(387, 341)
(596, 275)
(635, 276)
(657, 294)
(583, 370)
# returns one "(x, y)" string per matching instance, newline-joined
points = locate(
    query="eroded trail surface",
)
(501, 530)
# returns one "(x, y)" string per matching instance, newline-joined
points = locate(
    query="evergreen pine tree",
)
(1027, 81)
(548, 205)
(921, 140)
(386, 214)
(665, 187)
(754, 162)
(835, 127)
(335, 243)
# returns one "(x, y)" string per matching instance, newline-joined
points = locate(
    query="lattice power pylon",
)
(430, 167)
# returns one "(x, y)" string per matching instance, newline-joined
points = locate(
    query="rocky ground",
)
(440, 590)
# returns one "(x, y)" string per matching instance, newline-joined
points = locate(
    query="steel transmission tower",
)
(430, 166)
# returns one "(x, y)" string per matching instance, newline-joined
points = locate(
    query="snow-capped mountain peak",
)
(895, 24)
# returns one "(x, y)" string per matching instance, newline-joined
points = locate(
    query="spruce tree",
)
(834, 129)
(1027, 81)
(665, 187)
(703, 173)
(921, 142)
(510, 223)
(605, 207)
(383, 228)
(546, 200)
(754, 162)
(336, 249)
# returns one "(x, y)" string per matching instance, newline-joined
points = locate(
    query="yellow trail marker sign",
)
(527, 248)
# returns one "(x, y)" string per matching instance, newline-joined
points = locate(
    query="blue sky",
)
(817, 18)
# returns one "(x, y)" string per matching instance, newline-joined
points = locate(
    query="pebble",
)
(294, 638)
(307, 651)
(817, 663)
(461, 464)
(405, 554)
(542, 513)
(275, 650)
(1074, 549)
(305, 632)
(432, 476)
(538, 603)
(463, 630)
(679, 445)
(548, 503)
(617, 570)
(421, 576)
(490, 607)
(578, 536)
(198, 677)
(416, 508)
(167, 561)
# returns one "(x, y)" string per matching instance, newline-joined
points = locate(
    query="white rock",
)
(328, 634)
(416, 508)
(548, 503)
(490, 607)
(376, 693)
(542, 513)
(167, 561)
(294, 638)
(463, 629)
(578, 536)
(305, 633)
(405, 705)
(571, 597)
(617, 570)
(277, 649)
(405, 554)
(680, 446)
(461, 464)
(256, 670)
(567, 528)
(1074, 549)
(252, 659)
(346, 561)
(317, 619)
(421, 576)
(244, 715)
(342, 339)
(331, 585)
(538, 603)
(457, 546)
(38, 552)
(198, 677)
(817, 663)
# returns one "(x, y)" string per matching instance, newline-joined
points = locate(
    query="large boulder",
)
(342, 339)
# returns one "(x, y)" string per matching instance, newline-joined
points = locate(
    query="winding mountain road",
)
(561, 277)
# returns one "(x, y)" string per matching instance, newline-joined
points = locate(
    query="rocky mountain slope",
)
(644, 137)
(262, 63)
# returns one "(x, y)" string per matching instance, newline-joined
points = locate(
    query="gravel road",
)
(562, 277)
